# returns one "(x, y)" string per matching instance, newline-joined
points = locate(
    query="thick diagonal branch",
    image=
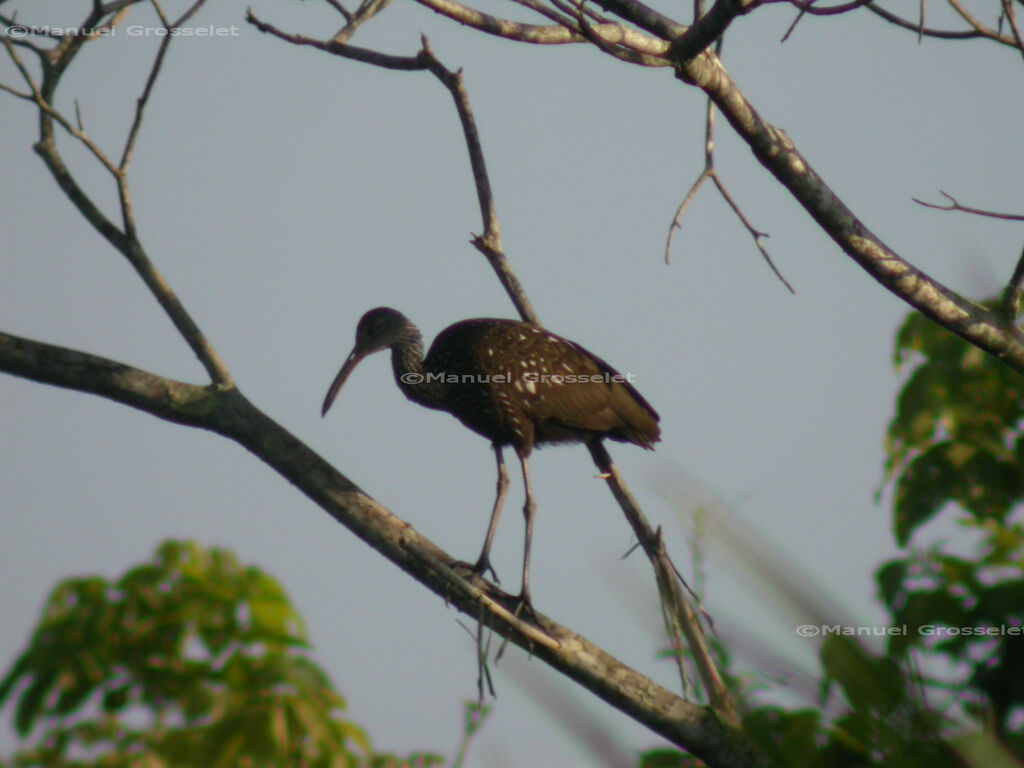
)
(774, 149)
(227, 412)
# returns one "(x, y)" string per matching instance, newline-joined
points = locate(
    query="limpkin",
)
(514, 383)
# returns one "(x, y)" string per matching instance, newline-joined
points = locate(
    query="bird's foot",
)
(524, 609)
(482, 566)
(479, 568)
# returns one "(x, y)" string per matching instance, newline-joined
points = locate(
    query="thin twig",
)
(811, 8)
(563, 19)
(679, 211)
(792, 27)
(553, 34)
(366, 11)
(710, 27)
(942, 34)
(154, 72)
(125, 241)
(14, 92)
(1011, 17)
(45, 107)
(754, 232)
(679, 608)
(488, 243)
(365, 55)
(709, 172)
(617, 51)
(971, 21)
(954, 205)
(347, 14)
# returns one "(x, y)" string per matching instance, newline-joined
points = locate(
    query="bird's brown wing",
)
(574, 394)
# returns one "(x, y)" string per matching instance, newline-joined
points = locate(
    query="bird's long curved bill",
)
(350, 364)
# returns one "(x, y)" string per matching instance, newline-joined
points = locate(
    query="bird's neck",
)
(410, 373)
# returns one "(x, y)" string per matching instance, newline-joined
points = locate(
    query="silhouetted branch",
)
(814, 10)
(710, 27)
(1010, 14)
(954, 205)
(942, 34)
(366, 11)
(489, 244)
(776, 152)
(553, 34)
(341, 9)
(227, 412)
(709, 172)
(621, 52)
(53, 64)
(672, 597)
(811, 8)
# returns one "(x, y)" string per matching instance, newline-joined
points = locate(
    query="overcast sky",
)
(283, 192)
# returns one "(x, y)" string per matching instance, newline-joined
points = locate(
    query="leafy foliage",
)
(957, 434)
(949, 690)
(188, 660)
(957, 441)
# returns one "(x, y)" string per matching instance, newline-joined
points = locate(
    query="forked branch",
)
(954, 205)
(682, 616)
(228, 413)
(53, 62)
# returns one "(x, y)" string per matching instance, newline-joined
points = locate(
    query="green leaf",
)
(890, 578)
(31, 703)
(869, 683)
(921, 490)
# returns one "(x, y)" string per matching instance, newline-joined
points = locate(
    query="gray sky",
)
(283, 192)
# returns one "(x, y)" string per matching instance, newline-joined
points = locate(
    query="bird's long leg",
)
(528, 511)
(483, 563)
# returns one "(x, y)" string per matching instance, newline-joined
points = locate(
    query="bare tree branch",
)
(227, 412)
(710, 27)
(710, 172)
(54, 63)
(45, 107)
(954, 205)
(553, 34)
(1011, 17)
(621, 52)
(808, 7)
(942, 34)
(341, 9)
(776, 152)
(366, 11)
(365, 55)
(678, 607)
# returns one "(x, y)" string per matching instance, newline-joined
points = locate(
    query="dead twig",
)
(53, 64)
(954, 205)
(709, 172)
(942, 34)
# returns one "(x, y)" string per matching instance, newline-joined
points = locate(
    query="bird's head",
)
(378, 329)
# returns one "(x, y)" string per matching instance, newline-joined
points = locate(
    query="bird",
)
(515, 384)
